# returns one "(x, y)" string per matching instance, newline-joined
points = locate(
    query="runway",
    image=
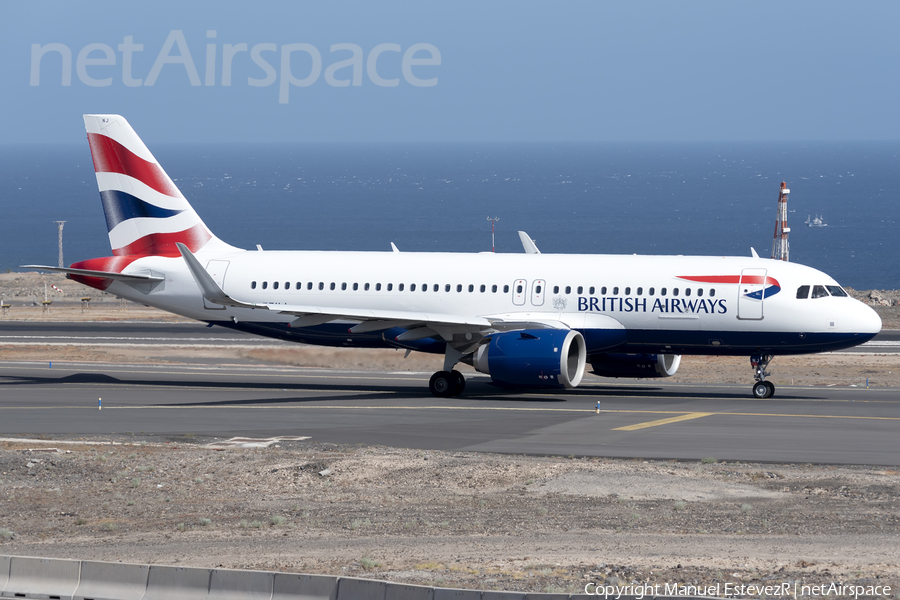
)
(643, 420)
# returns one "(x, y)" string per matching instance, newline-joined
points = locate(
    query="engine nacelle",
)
(635, 365)
(533, 358)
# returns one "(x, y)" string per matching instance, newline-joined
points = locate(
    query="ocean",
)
(599, 198)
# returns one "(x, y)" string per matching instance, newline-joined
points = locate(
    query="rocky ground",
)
(482, 521)
(451, 519)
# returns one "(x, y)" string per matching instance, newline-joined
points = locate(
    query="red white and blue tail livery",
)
(527, 320)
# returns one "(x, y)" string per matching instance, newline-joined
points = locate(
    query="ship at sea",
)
(817, 221)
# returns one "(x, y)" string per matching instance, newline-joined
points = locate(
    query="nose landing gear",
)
(762, 388)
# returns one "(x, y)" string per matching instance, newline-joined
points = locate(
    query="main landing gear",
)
(762, 388)
(445, 384)
(449, 382)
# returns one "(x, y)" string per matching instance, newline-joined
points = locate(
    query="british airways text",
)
(660, 305)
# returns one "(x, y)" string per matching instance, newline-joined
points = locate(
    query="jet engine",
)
(533, 358)
(635, 365)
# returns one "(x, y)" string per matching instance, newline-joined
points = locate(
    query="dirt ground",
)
(469, 520)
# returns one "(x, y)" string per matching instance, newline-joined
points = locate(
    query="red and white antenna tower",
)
(780, 247)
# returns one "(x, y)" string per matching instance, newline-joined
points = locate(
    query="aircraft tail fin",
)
(145, 212)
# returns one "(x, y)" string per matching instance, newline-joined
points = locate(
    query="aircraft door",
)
(519, 291)
(537, 292)
(216, 269)
(751, 292)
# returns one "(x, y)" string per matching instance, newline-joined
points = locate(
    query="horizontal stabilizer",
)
(104, 274)
(208, 287)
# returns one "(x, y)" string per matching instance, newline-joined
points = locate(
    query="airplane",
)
(530, 320)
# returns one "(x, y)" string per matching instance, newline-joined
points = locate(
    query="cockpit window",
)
(803, 292)
(836, 290)
(819, 291)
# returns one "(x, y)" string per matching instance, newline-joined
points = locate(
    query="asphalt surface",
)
(643, 420)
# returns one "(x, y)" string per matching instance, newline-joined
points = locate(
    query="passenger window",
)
(674, 291)
(377, 287)
(591, 291)
(494, 289)
(836, 290)
(712, 293)
(309, 285)
(628, 291)
(819, 291)
(355, 286)
(400, 287)
(458, 287)
(447, 288)
(299, 286)
(275, 285)
(518, 289)
(803, 292)
(332, 286)
(640, 291)
(537, 289)
(321, 285)
(555, 289)
(568, 289)
(287, 285)
(252, 285)
(616, 291)
(344, 286)
(700, 292)
(505, 289)
(603, 290)
(662, 291)
(437, 288)
(390, 287)
(412, 287)
(580, 290)
(687, 291)
(367, 287)
(471, 287)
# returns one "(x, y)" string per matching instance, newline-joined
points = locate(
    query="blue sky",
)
(509, 71)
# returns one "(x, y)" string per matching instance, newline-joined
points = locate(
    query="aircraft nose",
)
(866, 320)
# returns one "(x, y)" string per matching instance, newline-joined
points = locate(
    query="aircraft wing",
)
(104, 274)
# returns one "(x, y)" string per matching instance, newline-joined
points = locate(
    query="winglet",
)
(394, 247)
(753, 252)
(528, 243)
(208, 287)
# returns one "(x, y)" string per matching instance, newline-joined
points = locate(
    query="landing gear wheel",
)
(442, 384)
(763, 389)
(760, 390)
(460, 382)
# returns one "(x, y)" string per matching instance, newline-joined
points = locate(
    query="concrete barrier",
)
(42, 578)
(548, 597)
(502, 596)
(351, 588)
(111, 581)
(4, 572)
(453, 594)
(289, 586)
(226, 584)
(400, 591)
(176, 583)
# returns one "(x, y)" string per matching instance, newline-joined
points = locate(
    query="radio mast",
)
(780, 247)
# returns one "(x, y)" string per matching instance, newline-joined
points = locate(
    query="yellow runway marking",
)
(686, 417)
